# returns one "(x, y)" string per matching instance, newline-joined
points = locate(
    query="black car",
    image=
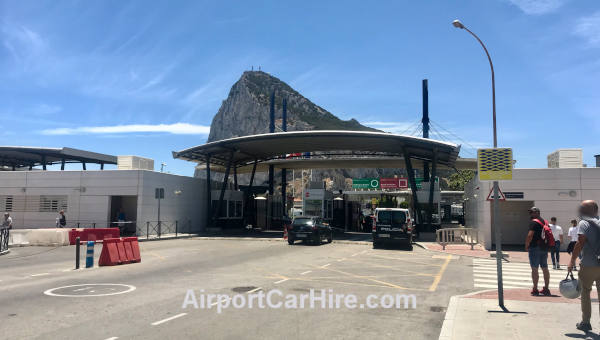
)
(309, 229)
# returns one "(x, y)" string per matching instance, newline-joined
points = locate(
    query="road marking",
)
(40, 274)
(326, 265)
(355, 254)
(155, 254)
(340, 260)
(438, 277)
(280, 281)
(254, 290)
(168, 319)
(113, 338)
(306, 272)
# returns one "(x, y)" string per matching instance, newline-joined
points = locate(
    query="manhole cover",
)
(437, 309)
(91, 289)
(243, 289)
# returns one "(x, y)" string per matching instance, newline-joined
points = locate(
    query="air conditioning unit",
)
(134, 163)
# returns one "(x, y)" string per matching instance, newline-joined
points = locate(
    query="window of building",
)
(53, 203)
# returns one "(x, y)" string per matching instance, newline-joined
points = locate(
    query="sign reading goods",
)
(380, 183)
(365, 183)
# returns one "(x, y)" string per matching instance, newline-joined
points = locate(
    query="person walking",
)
(573, 235)
(538, 252)
(588, 244)
(61, 220)
(7, 221)
(557, 232)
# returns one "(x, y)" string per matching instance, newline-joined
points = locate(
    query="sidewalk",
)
(479, 251)
(477, 316)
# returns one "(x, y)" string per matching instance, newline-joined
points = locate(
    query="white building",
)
(566, 158)
(92, 198)
(557, 192)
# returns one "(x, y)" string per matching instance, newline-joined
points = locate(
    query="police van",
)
(392, 225)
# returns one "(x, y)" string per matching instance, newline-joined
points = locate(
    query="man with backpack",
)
(589, 266)
(539, 240)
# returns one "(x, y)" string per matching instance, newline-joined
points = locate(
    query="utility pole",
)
(284, 171)
(271, 168)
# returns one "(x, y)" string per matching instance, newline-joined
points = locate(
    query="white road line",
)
(40, 274)
(355, 254)
(340, 260)
(512, 277)
(280, 281)
(253, 290)
(168, 319)
(326, 265)
(113, 338)
(306, 272)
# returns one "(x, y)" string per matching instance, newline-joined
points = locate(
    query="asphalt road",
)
(146, 300)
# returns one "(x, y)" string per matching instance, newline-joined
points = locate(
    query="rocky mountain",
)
(246, 110)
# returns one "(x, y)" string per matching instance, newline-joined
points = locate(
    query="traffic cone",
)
(285, 236)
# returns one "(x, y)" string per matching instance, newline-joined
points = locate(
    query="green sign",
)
(365, 183)
(419, 180)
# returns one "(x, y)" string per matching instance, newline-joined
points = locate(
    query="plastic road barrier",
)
(89, 255)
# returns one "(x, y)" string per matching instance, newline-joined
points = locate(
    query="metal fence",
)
(4, 234)
(158, 229)
(447, 236)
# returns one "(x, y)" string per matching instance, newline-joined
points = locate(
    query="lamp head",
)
(458, 24)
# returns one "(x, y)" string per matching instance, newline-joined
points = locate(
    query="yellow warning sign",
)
(495, 164)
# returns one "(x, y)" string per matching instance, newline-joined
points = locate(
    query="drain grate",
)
(243, 289)
(437, 309)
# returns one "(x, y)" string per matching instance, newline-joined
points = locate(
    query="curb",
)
(448, 325)
(269, 239)
(162, 239)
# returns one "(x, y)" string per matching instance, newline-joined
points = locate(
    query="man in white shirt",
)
(7, 221)
(557, 232)
(573, 236)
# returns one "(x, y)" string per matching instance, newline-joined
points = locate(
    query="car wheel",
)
(376, 245)
(317, 239)
(290, 241)
(330, 238)
(409, 246)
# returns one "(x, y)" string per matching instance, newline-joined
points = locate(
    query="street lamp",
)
(498, 234)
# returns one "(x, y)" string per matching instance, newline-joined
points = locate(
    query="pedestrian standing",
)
(588, 244)
(573, 235)
(7, 221)
(538, 252)
(557, 232)
(61, 220)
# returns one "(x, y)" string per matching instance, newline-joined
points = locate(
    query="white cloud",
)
(538, 7)
(176, 129)
(589, 29)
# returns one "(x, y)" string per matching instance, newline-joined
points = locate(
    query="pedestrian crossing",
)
(514, 275)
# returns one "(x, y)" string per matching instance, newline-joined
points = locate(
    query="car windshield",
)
(391, 217)
(303, 222)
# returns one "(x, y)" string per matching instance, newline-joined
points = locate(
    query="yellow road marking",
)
(438, 277)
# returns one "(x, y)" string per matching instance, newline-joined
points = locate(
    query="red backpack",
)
(547, 237)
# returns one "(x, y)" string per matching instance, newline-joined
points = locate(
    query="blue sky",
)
(147, 77)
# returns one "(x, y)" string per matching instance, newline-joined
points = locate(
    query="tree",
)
(459, 179)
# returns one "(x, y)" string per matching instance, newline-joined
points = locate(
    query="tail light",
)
(314, 227)
(374, 224)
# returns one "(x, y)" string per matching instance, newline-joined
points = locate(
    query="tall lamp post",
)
(498, 234)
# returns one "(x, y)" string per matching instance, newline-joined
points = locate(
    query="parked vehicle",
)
(310, 229)
(392, 225)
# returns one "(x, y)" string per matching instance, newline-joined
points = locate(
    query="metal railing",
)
(4, 235)
(447, 236)
(161, 228)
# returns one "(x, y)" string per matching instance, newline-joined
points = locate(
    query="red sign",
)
(393, 183)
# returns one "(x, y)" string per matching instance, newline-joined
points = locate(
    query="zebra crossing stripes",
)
(514, 275)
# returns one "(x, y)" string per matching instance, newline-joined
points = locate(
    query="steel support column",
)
(62, 164)
(413, 185)
(235, 179)
(223, 187)
(43, 162)
(431, 190)
(249, 191)
(208, 194)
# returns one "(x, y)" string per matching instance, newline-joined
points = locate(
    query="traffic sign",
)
(365, 183)
(501, 196)
(494, 164)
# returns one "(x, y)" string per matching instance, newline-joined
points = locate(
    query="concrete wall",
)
(88, 195)
(557, 192)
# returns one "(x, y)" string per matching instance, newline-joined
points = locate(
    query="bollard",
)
(77, 239)
(89, 256)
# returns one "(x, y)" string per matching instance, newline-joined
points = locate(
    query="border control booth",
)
(329, 149)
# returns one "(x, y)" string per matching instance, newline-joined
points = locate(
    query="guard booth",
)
(318, 202)
(231, 213)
